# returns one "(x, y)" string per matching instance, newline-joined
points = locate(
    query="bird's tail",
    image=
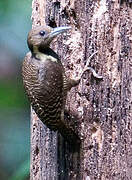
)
(69, 134)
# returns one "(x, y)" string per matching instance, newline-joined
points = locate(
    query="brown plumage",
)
(45, 81)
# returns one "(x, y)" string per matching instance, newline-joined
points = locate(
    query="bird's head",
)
(41, 36)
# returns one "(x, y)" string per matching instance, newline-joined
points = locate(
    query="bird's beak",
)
(58, 30)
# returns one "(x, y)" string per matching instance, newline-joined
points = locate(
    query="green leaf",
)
(22, 172)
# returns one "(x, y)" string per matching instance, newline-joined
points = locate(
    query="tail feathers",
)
(69, 135)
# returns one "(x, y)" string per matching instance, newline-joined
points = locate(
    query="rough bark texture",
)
(101, 110)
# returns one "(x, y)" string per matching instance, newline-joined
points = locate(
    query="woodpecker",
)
(45, 81)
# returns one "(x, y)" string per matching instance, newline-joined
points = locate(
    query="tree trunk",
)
(101, 110)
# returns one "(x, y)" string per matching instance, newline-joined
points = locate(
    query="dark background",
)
(15, 23)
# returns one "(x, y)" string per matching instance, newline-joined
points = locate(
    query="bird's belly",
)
(45, 92)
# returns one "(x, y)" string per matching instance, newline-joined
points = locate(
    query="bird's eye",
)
(42, 33)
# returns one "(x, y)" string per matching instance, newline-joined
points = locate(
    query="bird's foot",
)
(88, 68)
(75, 82)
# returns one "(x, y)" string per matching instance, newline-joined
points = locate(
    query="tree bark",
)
(100, 110)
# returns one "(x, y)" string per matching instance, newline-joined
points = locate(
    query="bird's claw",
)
(87, 68)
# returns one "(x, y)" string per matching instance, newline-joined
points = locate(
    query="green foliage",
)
(14, 138)
(15, 23)
(12, 94)
(22, 172)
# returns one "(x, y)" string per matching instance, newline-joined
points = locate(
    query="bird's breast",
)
(44, 79)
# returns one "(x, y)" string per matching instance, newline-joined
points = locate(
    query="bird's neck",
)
(44, 54)
(41, 50)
